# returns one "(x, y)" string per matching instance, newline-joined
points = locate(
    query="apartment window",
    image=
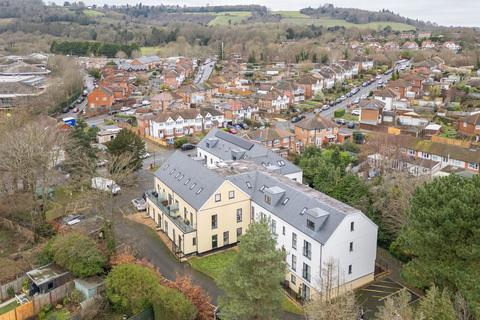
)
(306, 272)
(226, 237)
(214, 221)
(307, 249)
(268, 200)
(239, 232)
(239, 215)
(351, 246)
(184, 213)
(191, 219)
(294, 263)
(218, 197)
(194, 241)
(252, 214)
(214, 242)
(352, 226)
(231, 194)
(310, 225)
(294, 240)
(350, 269)
(274, 226)
(293, 279)
(283, 230)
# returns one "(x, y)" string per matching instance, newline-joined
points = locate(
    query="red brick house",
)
(470, 126)
(100, 100)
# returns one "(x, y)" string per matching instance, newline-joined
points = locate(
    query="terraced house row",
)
(203, 207)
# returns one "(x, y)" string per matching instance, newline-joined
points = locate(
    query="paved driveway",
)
(374, 295)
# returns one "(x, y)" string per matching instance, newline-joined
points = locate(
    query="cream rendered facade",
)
(192, 231)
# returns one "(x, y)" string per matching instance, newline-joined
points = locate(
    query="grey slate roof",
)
(326, 212)
(226, 146)
(190, 179)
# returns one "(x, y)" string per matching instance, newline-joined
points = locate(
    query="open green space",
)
(213, 266)
(149, 51)
(328, 22)
(93, 13)
(291, 14)
(8, 307)
(226, 18)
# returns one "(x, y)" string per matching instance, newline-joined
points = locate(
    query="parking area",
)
(374, 295)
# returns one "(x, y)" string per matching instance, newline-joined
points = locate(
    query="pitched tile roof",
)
(294, 203)
(317, 122)
(190, 179)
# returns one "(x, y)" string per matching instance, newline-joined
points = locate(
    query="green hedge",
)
(339, 113)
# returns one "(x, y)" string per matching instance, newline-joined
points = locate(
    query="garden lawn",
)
(213, 265)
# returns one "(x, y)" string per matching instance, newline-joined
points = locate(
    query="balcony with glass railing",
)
(171, 211)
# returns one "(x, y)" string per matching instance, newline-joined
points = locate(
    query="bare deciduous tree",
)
(396, 307)
(334, 301)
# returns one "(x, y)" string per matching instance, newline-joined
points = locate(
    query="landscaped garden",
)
(213, 265)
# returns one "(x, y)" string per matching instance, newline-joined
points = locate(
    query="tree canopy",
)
(76, 253)
(252, 283)
(132, 288)
(127, 142)
(442, 237)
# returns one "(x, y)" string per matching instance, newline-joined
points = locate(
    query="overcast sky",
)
(444, 12)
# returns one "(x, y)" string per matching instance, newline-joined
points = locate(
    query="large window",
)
(306, 273)
(226, 238)
(214, 242)
(294, 263)
(239, 232)
(294, 240)
(307, 249)
(214, 221)
(239, 215)
(274, 226)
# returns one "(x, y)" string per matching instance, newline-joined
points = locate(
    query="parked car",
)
(351, 125)
(380, 81)
(341, 121)
(342, 98)
(104, 184)
(356, 101)
(72, 219)
(378, 77)
(75, 110)
(244, 126)
(139, 204)
(187, 146)
(325, 107)
(356, 112)
(365, 84)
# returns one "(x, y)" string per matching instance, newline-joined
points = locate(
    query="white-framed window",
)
(231, 194)
(294, 263)
(239, 215)
(218, 197)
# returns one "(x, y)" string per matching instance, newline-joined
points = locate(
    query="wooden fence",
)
(16, 285)
(455, 142)
(34, 306)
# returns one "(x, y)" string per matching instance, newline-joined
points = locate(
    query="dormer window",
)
(310, 224)
(268, 199)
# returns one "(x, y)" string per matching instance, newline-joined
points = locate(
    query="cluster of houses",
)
(22, 78)
(207, 202)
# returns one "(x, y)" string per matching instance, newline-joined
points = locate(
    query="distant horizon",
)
(442, 12)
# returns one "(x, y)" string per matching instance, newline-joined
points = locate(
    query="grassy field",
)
(93, 13)
(327, 23)
(5, 21)
(214, 265)
(226, 18)
(290, 14)
(149, 51)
